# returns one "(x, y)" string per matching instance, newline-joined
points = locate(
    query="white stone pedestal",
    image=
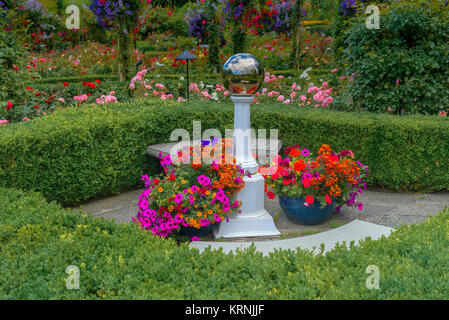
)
(254, 220)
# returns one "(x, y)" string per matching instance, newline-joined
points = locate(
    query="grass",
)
(335, 224)
(293, 234)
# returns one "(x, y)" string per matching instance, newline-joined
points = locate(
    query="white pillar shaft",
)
(254, 220)
(242, 133)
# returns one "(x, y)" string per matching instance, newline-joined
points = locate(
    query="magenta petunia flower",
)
(203, 180)
(205, 222)
(195, 238)
(166, 159)
(305, 152)
(226, 207)
(178, 198)
(217, 218)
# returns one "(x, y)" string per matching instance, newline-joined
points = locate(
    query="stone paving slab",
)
(354, 231)
(384, 208)
(382, 211)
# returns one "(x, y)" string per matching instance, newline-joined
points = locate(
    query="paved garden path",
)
(384, 208)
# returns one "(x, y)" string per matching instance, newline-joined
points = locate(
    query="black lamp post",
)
(186, 55)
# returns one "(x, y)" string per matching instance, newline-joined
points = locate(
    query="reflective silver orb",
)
(242, 74)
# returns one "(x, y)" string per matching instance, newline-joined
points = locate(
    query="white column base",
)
(254, 220)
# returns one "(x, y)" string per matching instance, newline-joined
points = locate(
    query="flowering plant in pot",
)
(190, 197)
(309, 188)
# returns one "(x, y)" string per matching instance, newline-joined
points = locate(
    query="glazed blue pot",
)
(194, 232)
(298, 213)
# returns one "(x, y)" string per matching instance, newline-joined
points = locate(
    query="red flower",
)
(306, 182)
(66, 84)
(309, 199)
(98, 81)
(91, 85)
(84, 83)
(270, 195)
(295, 153)
(9, 106)
(328, 199)
(299, 165)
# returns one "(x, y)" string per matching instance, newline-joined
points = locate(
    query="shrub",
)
(80, 153)
(404, 65)
(39, 240)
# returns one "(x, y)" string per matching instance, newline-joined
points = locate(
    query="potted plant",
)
(194, 192)
(310, 188)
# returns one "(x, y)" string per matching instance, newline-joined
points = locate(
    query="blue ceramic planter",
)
(194, 232)
(298, 213)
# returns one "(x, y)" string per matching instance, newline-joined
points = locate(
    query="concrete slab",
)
(380, 207)
(354, 231)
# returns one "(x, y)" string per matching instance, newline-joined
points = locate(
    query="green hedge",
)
(81, 153)
(119, 261)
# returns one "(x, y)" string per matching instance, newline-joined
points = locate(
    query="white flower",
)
(181, 78)
(201, 85)
(214, 96)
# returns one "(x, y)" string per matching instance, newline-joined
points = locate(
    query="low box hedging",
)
(77, 154)
(39, 240)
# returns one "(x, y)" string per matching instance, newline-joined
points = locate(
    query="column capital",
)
(242, 99)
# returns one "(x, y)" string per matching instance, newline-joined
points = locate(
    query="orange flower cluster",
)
(344, 171)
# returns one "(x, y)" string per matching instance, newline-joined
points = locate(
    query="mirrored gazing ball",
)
(242, 74)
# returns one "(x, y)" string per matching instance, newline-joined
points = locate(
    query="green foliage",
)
(238, 39)
(77, 154)
(11, 80)
(404, 65)
(39, 240)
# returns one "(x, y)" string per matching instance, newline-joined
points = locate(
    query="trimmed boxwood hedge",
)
(39, 240)
(77, 154)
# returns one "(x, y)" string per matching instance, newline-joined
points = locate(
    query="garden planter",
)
(194, 232)
(298, 213)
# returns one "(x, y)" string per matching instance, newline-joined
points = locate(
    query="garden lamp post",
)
(242, 75)
(186, 55)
